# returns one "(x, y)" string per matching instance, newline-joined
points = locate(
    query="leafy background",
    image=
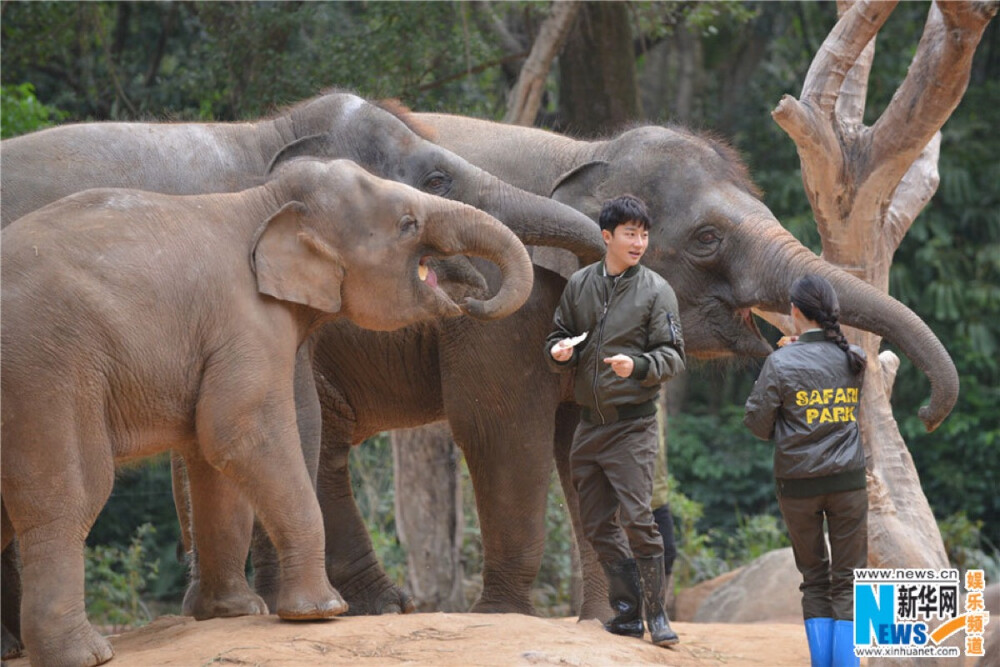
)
(91, 61)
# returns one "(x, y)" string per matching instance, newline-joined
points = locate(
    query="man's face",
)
(626, 246)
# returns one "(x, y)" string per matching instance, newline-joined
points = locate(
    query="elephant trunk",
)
(539, 220)
(470, 231)
(864, 307)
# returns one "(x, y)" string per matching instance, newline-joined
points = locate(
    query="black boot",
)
(651, 570)
(625, 596)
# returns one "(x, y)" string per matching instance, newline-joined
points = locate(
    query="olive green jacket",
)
(634, 313)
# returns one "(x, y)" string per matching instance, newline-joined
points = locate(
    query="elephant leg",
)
(509, 457)
(220, 524)
(308, 418)
(10, 592)
(51, 520)
(182, 504)
(594, 582)
(248, 432)
(351, 563)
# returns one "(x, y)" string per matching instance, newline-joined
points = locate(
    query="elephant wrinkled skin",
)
(191, 158)
(718, 245)
(145, 322)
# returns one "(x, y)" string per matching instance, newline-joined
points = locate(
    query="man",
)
(617, 326)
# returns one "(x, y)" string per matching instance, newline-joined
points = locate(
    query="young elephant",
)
(137, 322)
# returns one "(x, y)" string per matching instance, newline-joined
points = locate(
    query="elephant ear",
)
(315, 145)
(580, 187)
(292, 263)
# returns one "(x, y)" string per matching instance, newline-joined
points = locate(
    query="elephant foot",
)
(11, 645)
(308, 606)
(391, 600)
(84, 648)
(224, 604)
(599, 610)
(503, 607)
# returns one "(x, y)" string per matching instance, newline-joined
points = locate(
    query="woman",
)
(806, 400)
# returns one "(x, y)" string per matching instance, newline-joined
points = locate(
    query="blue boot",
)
(843, 645)
(819, 632)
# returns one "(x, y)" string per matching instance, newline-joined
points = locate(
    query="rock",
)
(765, 590)
(687, 601)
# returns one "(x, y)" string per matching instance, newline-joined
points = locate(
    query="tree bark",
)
(429, 518)
(866, 185)
(526, 97)
(597, 75)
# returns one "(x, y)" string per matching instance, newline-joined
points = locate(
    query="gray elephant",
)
(719, 246)
(188, 158)
(137, 322)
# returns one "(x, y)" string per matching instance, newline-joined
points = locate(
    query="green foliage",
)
(116, 578)
(143, 495)
(717, 461)
(967, 547)
(948, 270)
(372, 482)
(21, 112)
(708, 554)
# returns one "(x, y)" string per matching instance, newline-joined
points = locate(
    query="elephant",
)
(193, 158)
(145, 322)
(714, 240)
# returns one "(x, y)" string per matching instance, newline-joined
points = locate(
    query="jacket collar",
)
(627, 273)
(812, 336)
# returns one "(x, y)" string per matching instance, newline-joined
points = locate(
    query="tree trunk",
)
(526, 97)
(866, 185)
(429, 518)
(598, 91)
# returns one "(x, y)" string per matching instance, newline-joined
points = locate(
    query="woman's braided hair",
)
(816, 298)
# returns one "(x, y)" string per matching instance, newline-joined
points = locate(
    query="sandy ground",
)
(446, 640)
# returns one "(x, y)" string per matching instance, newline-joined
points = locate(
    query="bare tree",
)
(526, 97)
(429, 515)
(866, 185)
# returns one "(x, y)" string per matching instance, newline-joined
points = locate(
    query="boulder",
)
(765, 590)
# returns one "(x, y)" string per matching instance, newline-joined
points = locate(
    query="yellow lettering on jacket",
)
(815, 398)
(831, 415)
(801, 398)
(841, 396)
(827, 396)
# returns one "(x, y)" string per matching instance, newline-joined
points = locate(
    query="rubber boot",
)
(625, 597)
(651, 572)
(843, 645)
(819, 633)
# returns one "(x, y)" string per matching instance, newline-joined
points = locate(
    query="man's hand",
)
(562, 351)
(621, 364)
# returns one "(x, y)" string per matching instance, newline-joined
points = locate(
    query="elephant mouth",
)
(425, 273)
(724, 330)
(443, 282)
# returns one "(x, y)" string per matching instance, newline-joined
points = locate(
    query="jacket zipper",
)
(600, 339)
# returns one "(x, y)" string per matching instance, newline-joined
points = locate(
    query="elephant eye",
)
(706, 241)
(408, 225)
(437, 183)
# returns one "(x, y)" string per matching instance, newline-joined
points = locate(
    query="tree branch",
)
(437, 83)
(841, 49)
(912, 194)
(850, 107)
(526, 97)
(820, 153)
(934, 84)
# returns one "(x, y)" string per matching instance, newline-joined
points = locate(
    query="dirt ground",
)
(446, 640)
